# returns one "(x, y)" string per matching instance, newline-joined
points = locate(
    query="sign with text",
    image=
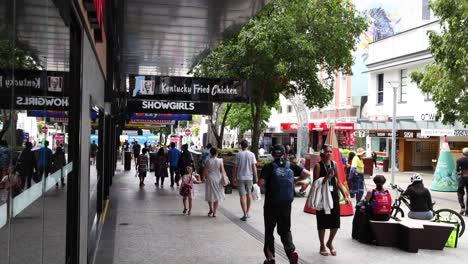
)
(189, 89)
(176, 107)
(437, 132)
(35, 103)
(154, 116)
(30, 82)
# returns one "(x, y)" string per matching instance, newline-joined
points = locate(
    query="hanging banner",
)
(35, 103)
(175, 107)
(189, 89)
(153, 116)
(30, 82)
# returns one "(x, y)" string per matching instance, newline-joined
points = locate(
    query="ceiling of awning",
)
(162, 37)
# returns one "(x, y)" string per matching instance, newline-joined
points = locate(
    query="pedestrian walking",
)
(185, 159)
(26, 166)
(58, 161)
(160, 167)
(93, 152)
(327, 185)
(278, 179)
(245, 171)
(45, 160)
(214, 189)
(136, 151)
(186, 189)
(462, 169)
(349, 178)
(5, 158)
(205, 157)
(143, 165)
(174, 155)
(357, 175)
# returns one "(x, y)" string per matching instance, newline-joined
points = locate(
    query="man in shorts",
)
(246, 172)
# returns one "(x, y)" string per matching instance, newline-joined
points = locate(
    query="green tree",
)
(241, 117)
(282, 50)
(447, 78)
(14, 55)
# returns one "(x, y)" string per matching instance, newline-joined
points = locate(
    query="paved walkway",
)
(146, 225)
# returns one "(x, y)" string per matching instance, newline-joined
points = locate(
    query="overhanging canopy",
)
(164, 37)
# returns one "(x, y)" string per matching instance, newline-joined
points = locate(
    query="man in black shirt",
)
(462, 169)
(278, 179)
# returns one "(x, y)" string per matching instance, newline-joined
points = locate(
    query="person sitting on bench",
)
(379, 201)
(420, 199)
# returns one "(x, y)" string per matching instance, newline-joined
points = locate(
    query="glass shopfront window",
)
(34, 101)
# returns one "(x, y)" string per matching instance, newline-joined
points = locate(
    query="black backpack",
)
(281, 184)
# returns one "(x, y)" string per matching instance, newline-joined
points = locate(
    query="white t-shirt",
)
(244, 161)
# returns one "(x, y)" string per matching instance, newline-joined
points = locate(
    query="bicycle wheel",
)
(450, 216)
(397, 212)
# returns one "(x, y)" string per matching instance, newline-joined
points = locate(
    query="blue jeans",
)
(358, 186)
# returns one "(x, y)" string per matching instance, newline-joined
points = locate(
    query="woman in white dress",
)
(214, 190)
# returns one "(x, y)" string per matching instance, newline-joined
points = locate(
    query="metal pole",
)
(395, 89)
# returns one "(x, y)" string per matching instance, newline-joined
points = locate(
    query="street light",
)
(394, 85)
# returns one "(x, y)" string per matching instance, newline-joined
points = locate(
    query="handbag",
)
(186, 188)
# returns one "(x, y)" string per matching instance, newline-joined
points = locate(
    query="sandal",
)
(185, 210)
(332, 250)
(323, 251)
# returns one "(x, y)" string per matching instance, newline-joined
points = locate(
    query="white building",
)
(390, 63)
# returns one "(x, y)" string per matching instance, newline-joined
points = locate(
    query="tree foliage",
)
(284, 47)
(447, 78)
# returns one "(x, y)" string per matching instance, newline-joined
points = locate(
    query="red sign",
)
(188, 132)
(344, 126)
(312, 126)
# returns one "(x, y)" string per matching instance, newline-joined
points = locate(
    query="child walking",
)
(186, 189)
(142, 166)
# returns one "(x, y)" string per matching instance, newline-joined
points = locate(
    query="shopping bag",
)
(452, 241)
(256, 194)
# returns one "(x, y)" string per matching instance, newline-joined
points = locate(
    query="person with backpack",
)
(185, 159)
(278, 179)
(328, 218)
(186, 189)
(142, 166)
(379, 201)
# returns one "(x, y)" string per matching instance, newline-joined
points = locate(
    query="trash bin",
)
(368, 166)
(127, 160)
(385, 164)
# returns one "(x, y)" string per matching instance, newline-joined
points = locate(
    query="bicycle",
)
(441, 215)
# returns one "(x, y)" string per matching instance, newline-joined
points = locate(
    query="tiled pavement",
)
(146, 225)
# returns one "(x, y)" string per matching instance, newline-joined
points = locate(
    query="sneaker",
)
(272, 261)
(244, 218)
(462, 211)
(185, 211)
(294, 258)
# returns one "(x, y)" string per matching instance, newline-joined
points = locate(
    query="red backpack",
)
(382, 202)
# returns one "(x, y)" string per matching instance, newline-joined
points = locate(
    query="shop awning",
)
(404, 125)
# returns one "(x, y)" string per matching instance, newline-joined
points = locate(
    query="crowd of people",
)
(19, 172)
(279, 179)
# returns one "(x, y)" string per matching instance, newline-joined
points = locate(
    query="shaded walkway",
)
(147, 226)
